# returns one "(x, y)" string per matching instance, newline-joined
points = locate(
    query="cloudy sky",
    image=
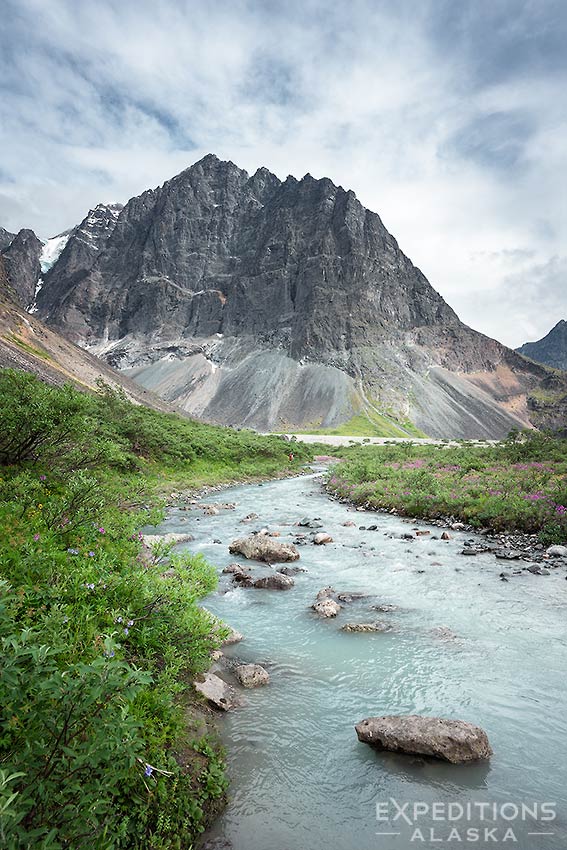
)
(447, 117)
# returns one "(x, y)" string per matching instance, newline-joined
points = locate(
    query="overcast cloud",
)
(447, 117)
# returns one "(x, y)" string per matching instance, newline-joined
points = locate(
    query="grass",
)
(518, 485)
(100, 637)
(25, 346)
(368, 424)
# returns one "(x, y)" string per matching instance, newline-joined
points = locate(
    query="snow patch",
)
(50, 254)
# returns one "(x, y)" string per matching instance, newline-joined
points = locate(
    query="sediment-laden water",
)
(300, 779)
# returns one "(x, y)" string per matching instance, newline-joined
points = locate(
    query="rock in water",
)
(252, 675)
(322, 538)
(259, 547)
(276, 581)
(455, 741)
(366, 627)
(326, 607)
(220, 693)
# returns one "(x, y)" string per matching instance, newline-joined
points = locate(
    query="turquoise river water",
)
(300, 780)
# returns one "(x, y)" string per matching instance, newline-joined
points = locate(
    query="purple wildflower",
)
(148, 770)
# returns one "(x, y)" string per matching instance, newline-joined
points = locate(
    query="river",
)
(300, 780)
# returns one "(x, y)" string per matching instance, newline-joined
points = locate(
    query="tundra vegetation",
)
(100, 637)
(517, 485)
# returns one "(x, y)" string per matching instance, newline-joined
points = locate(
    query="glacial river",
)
(300, 780)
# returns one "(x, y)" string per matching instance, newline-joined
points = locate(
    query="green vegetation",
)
(368, 424)
(520, 484)
(100, 637)
(25, 346)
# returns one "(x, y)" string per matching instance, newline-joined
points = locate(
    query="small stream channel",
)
(300, 780)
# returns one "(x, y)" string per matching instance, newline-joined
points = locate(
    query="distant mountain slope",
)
(551, 350)
(248, 300)
(28, 345)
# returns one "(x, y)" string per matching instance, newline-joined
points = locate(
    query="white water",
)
(300, 779)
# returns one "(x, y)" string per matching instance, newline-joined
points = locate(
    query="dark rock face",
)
(78, 256)
(21, 264)
(251, 301)
(5, 238)
(551, 350)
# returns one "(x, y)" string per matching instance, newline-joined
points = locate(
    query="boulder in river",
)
(326, 607)
(262, 548)
(455, 741)
(366, 627)
(252, 675)
(322, 538)
(349, 523)
(218, 692)
(275, 581)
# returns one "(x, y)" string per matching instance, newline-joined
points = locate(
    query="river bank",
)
(446, 615)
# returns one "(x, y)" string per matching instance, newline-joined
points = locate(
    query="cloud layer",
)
(449, 119)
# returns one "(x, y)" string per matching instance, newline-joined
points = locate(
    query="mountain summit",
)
(551, 350)
(251, 301)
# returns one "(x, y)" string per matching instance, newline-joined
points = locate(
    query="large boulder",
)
(455, 741)
(259, 547)
(218, 692)
(252, 675)
(557, 551)
(275, 581)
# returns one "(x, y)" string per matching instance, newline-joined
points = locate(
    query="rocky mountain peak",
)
(21, 264)
(551, 349)
(5, 238)
(253, 301)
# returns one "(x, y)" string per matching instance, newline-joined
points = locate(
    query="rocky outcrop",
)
(252, 675)
(455, 741)
(5, 238)
(248, 300)
(21, 264)
(551, 349)
(260, 547)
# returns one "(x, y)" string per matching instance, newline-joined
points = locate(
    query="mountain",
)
(251, 301)
(551, 350)
(21, 265)
(5, 238)
(28, 345)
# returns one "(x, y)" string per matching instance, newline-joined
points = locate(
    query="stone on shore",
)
(218, 692)
(557, 551)
(232, 637)
(252, 675)
(455, 741)
(169, 539)
(262, 548)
